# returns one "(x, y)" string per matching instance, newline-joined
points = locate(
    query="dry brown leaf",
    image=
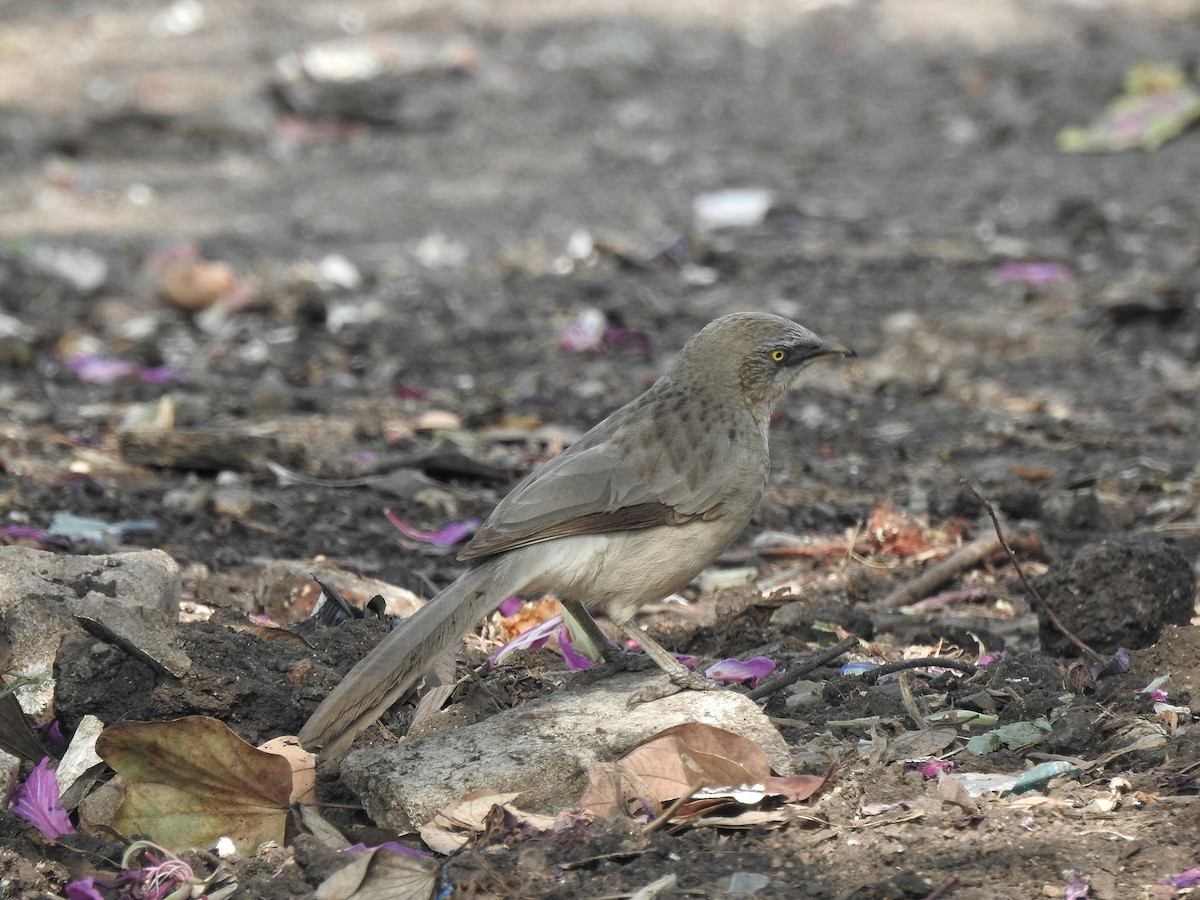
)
(797, 788)
(612, 787)
(442, 840)
(703, 806)
(920, 744)
(713, 767)
(474, 814)
(674, 762)
(381, 875)
(320, 828)
(192, 780)
(469, 811)
(196, 285)
(303, 763)
(893, 532)
(750, 818)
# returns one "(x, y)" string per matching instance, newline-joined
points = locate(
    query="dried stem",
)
(1038, 599)
(791, 676)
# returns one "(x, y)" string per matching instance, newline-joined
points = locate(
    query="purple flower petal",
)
(51, 731)
(1077, 888)
(754, 670)
(1187, 879)
(1036, 273)
(509, 606)
(931, 768)
(36, 799)
(446, 536)
(529, 639)
(84, 890)
(98, 370)
(1118, 662)
(162, 374)
(574, 659)
(24, 533)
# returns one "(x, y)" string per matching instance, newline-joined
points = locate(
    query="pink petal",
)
(754, 670)
(529, 639)
(1035, 272)
(446, 536)
(97, 370)
(36, 799)
(509, 606)
(574, 659)
(162, 374)
(932, 768)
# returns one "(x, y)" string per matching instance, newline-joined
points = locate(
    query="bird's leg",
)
(680, 677)
(584, 618)
(616, 657)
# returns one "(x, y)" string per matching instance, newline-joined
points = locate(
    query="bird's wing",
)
(611, 481)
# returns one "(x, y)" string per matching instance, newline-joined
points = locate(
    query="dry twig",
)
(1038, 599)
(962, 560)
(791, 676)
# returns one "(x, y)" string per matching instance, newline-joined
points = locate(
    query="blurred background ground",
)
(340, 258)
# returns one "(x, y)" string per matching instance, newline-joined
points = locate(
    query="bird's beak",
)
(833, 348)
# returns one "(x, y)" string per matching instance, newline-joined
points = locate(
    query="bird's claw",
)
(618, 660)
(676, 682)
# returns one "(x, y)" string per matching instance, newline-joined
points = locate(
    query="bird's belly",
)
(622, 571)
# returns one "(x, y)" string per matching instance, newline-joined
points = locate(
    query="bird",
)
(627, 515)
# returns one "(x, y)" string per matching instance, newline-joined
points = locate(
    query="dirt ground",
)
(418, 242)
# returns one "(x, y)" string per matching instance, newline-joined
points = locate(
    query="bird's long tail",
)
(385, 674)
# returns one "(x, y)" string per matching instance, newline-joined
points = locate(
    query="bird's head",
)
(758, 354)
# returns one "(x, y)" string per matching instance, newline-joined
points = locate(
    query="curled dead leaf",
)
(303, 763)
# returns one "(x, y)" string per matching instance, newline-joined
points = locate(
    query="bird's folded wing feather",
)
(607, 482)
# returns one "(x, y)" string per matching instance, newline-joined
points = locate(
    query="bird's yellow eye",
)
(778, 355)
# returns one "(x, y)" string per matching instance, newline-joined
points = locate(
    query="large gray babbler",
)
(628, 515)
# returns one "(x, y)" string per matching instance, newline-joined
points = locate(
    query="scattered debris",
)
(1158, 104)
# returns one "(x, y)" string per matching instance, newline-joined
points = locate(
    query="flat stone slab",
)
(40, 593)
(541, 749)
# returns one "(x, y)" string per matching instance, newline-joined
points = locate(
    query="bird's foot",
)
(616, 659)
(685, 680)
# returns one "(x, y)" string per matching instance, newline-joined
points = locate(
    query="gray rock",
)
(541, 749)
(40, 592)
(146, 634)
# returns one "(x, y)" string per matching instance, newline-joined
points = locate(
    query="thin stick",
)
(670, 811)
(1038, 599)
(934, 577)
(900, 665)
(791, 676)
(961, 560)
(942, 888)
